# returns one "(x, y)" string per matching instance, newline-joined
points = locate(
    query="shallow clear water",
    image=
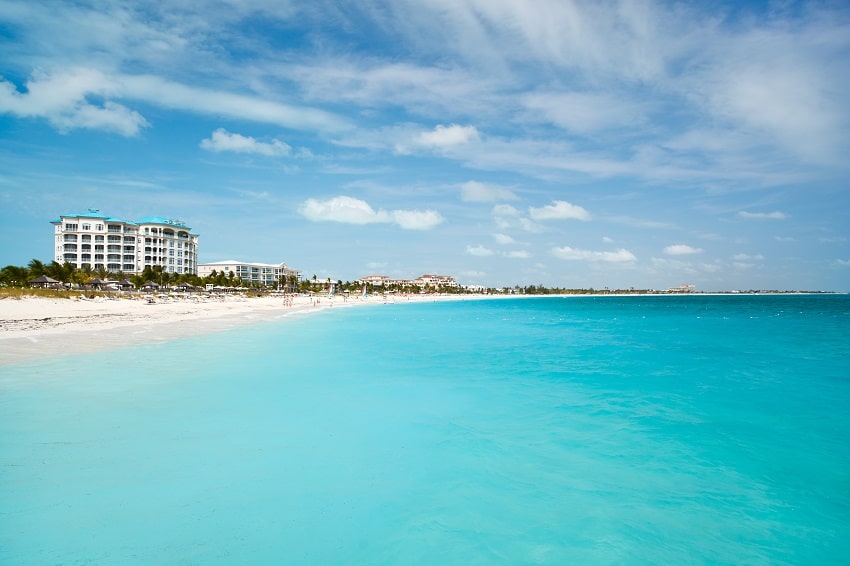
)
(550, 430)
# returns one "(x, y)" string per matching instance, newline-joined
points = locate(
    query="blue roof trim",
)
(162, 220)
(94, 213)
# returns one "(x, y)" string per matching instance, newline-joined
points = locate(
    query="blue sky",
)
(573, 144)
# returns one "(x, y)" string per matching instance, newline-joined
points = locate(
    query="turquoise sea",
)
(557, 430)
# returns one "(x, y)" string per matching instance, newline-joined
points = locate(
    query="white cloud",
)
(505, 210)
(443, 137)
(169, 94)
(342, 209)
(473, 274)
(776, 215)
(517, 254)
(417, 219)
(681, 249)
(747, 257)
(843, 262)
(559, 210)
(781, 81)
(503, 239)
(63, 99)
(222, 140)
(350, 210)
(639, 223)
(583, 112)
(607, 240)
(569, 253)
(479, 251)
(473, 191)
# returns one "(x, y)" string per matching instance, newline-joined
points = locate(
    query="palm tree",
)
(36, 268)
(14, 275)
(82, 275)
(56, 271)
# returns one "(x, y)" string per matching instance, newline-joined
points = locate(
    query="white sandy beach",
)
(36, 327)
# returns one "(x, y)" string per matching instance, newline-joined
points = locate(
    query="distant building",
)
(377, 280)
(98, 241)
(684, 288)
(265, 274)
(433, 281)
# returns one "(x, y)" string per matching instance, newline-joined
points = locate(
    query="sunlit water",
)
(659, 430)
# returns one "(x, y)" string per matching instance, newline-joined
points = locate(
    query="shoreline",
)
(35, 327)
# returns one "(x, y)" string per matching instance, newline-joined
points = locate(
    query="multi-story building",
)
(98, 241)
(433, 281)
(376, 280)
(265, 274)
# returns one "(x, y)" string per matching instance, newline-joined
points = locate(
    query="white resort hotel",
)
(265, 274)
(98, 241)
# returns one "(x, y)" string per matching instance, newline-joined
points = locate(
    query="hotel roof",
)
(97, 214)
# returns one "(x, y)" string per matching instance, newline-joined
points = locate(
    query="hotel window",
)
(98, 227)
(98, 238)
(71, 227)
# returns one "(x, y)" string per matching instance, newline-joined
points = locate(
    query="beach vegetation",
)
(73, 280)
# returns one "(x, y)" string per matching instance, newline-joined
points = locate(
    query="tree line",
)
(71, 276)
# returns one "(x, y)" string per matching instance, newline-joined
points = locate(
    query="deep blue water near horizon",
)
(696, 429)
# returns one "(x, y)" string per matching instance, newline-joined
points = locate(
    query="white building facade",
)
(98, 241)
(264, 274)
(433, 281)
